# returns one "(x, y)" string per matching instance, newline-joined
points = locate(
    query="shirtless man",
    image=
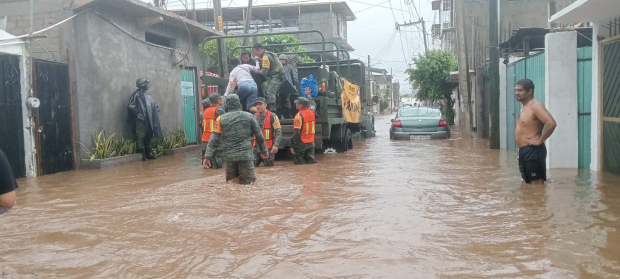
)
(533, 119)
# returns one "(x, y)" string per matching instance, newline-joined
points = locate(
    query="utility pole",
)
(464, 83)
(494, 72)
(369, 83)
(392, 90)
(221, 43)
(194, 9)
(246, 25)
(421, 21)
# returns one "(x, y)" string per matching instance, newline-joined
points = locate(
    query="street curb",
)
(109, 162)
(182, 150)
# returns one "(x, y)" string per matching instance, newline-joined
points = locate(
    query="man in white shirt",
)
(241, 79)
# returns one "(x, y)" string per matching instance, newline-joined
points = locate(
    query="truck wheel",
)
(346, 141)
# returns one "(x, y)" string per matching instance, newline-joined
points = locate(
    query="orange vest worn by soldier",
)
(268, 131)
(208, 122)
(307, 126)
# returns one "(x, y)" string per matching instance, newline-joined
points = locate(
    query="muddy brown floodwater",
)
(407, 209)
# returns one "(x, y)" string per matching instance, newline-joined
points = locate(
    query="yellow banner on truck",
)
(351, 105)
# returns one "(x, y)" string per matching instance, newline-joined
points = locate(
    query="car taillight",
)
(443, 123)
(397, 123)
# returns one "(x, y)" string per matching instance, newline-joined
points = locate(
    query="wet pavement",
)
(407, 209)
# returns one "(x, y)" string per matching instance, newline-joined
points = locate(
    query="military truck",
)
(333, 131)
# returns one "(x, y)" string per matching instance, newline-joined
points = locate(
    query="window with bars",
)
(447, 5)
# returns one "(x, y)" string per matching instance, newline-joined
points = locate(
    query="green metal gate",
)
(532, 68)
(188, 103)
(584, 95)
(610, 105)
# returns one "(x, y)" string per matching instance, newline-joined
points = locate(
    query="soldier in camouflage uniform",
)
(302, 141)
(272, 69)
(272, 135)
(233, 130)
(209, 116)
(143, 116)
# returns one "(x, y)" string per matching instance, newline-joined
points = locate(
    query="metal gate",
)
(584, 95)
(11, 125)
(188, 99)
(532, 68)
(54, 121)
(611, 105)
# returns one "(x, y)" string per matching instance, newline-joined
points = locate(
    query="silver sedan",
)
(419, 123)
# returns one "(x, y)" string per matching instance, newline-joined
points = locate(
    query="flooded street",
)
(406, 209)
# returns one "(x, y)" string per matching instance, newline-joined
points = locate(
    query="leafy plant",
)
(108, 147)
(275, 39)
(125, 147)
(157, 145)
(449, 115)
(384, 104)
(104, 147)
(175, 140)
(209, 50)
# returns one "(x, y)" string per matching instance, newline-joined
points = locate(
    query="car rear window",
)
(419, 112)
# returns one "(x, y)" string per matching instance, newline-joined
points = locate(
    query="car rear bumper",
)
(434, 135)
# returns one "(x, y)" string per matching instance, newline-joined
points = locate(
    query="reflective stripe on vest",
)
(208, 123)
(308, 127)
(267, 130)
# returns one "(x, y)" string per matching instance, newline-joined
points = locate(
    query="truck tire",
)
(346, 142)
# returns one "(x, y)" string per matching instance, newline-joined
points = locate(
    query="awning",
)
(536, 37)
(588, 11)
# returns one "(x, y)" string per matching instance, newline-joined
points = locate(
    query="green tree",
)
(209, 50)
(285, 39)
(429, 75)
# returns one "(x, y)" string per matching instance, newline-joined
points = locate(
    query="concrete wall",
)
(596, 108)
(502, 105)
(106, 74)
(46, 13)
(561, 98)
(325, 22)
(516, 14)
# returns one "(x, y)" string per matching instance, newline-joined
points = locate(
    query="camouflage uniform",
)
(275, 124)
(217, 162)
(143, 139)
(304, 152)
(234, 130)
(272, 69)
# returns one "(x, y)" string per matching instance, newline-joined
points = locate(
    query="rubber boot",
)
(141, 151)
(149, 154)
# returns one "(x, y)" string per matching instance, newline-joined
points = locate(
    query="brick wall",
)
(18, 23)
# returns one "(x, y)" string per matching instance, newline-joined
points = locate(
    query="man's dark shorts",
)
(533, 163)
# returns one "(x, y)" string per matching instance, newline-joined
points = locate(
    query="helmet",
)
(141, 82)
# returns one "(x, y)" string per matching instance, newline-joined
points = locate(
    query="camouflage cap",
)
(302, 100)
(206, 101)
(215, 97)
(233, 103)
(261, 100)
(283, 57)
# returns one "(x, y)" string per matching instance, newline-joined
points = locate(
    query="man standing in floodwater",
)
(534, 126)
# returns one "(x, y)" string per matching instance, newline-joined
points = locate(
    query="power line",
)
(375, 5)
(372, 7)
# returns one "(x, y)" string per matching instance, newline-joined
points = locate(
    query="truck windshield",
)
(419, 112)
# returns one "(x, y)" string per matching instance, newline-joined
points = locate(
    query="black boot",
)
(149, 154)
(141, 151)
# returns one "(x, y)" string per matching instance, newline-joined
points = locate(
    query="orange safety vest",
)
(308, 127)
(208, 121)
(268, 131)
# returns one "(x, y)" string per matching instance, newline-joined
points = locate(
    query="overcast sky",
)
(373, 32)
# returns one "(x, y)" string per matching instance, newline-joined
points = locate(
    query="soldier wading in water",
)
(234, 129)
